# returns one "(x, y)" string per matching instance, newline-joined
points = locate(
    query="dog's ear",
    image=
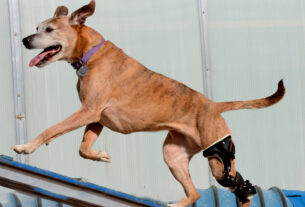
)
(80, 15)
(61, 11)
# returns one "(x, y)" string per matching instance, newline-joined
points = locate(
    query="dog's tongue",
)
(41, 56)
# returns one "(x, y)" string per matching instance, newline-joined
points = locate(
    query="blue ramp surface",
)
(59, 189)
(23, 185)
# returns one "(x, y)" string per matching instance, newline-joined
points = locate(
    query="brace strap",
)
(242, 189)
(225, 150)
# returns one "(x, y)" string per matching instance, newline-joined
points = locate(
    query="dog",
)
(118, 92)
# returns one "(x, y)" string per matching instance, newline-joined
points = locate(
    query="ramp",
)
(36, 185)
(23, 185)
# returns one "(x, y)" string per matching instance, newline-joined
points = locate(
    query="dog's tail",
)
(253, 104)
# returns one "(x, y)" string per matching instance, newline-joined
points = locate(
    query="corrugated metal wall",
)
(164, 36)
(253, 44)
(7, 111)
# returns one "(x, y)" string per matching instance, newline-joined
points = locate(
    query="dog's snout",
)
(27, 41)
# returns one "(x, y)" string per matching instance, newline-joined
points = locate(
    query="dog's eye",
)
(37, 29)
(49, 29)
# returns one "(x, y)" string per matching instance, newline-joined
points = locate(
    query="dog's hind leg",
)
(78, 119)
(92, 132)
(177, 152)
(233, 180)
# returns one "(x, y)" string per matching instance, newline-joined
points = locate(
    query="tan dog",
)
(120, 93)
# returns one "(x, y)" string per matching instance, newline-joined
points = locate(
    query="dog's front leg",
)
(92, 132)
(78, 119)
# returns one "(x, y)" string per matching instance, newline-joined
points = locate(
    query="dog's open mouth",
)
(45, 55)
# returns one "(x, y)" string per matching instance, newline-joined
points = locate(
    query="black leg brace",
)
(225, 150)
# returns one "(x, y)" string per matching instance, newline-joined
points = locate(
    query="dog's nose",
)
(27, 41)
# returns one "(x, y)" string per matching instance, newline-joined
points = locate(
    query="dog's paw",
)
(23, 149)
(103, 156)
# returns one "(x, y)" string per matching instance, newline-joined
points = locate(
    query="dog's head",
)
(58, 35)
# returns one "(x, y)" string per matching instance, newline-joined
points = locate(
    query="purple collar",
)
(77, 65)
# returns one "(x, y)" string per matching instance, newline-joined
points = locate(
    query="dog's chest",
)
(83, 89)
(118, 120)
(78, 85)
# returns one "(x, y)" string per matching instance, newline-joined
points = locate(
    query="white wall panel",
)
(253, 44)
(7, 118)
(161, 34)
